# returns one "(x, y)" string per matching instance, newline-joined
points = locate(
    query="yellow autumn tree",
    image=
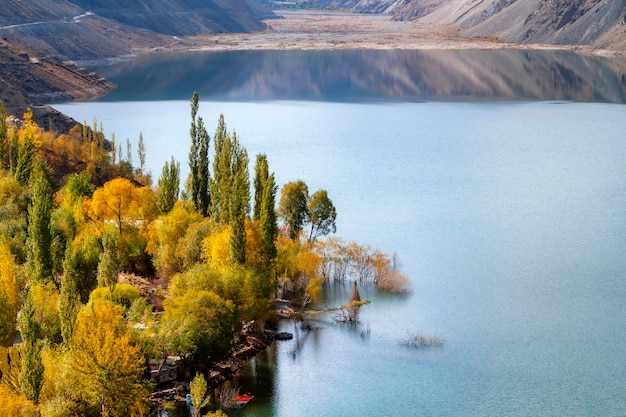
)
(118, 201)
(9, 295)
(107, 364)
(166, 233)
(217, 248)
(16, 405)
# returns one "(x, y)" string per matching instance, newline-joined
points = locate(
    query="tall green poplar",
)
(268, 226)
(39, 214)
(261, 173)
(31, 374)
(169, 186)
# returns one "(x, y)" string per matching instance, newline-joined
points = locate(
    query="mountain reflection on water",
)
(351, 76)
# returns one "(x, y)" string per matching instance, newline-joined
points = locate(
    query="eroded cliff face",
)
(27, 81)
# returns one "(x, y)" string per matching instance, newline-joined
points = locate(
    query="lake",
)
(497, 177)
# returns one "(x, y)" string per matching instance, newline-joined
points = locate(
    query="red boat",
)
(243, 400)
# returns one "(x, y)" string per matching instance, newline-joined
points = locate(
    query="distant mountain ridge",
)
(559, 22)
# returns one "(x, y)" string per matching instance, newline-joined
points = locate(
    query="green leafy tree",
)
(141, 153)
(31, 374)
(203, 199)
(109, 266)
(322, 215)
(267, 224)
(169, 186)
(39, 214)
(69, 298)
(198, 322)
(198, 392)
(293, 207)
(261, 174)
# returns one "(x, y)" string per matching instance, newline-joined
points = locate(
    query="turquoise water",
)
(509, 217)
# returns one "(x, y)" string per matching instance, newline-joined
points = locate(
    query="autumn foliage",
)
(74, 214)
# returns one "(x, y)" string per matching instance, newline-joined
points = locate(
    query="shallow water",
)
(509, 217)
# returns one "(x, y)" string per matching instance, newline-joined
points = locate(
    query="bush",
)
(394, 281)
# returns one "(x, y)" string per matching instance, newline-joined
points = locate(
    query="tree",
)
(9, 295)
(268, 227)
(109, 266)
(141, 153)
(166, 236)
(322, 215)
(293, 206)
(199, 177)
(39, 214)
(230, 185)
(31, 375)
(118, 200)
(198, 391)
(69, 298)
(261, 174)
(169, 186)
(108, 365)
(198, 322)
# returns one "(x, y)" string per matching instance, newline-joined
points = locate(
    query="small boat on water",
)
(244, 399)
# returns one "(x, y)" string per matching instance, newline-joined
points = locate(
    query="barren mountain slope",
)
(89, 29)
(562, 22)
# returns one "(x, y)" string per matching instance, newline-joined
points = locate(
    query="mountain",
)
(38, 38)
(558, 22)
(96, 29)
(599, 23)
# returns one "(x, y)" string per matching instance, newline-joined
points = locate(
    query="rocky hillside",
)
(39, 37)
(89, 29)
(601, 23)
(559, 22)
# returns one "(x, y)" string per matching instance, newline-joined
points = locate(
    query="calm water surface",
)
(507, 213)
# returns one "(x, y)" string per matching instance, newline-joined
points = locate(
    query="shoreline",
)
(342, 31)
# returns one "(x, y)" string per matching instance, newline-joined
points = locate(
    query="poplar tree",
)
(69, 298)
(203, 200)
(261, 173)
(31, 374)
(141, 153)
(193, 184)
(231, 180)
(268, 226)
(39, 214)
(109, 266)
(169, 186)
